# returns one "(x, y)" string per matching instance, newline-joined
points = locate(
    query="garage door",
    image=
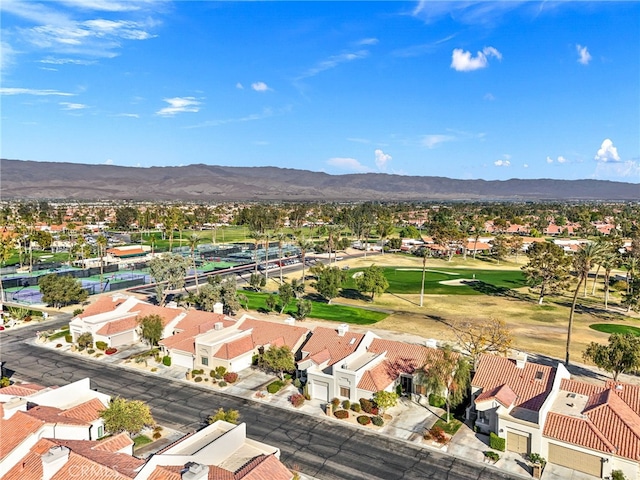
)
(582, 462)
(517, 443)
(321, 391)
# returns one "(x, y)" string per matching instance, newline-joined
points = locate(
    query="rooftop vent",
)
(342, 329)
(539, 375)
(217, 326)
(352, 341)
(53, 461)
(195, 471)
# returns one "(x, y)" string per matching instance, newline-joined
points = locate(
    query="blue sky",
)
(491, 90)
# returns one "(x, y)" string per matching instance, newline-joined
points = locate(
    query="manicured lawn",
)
(408, 280)
(615, 328)
(141, 440)
(450, 428)
(323, 311)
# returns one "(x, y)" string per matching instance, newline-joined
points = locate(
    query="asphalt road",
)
(318, 447)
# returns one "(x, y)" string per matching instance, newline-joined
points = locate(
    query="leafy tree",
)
(298, 287)
(330, 282)
(85, 340)
(499, 248)
(59, 291)
(271, 301)
(44, 239)
(621, 355)
(631, 299)
(449, 373)
(285, 293)
(5, 382)
(548, 268)
(409, 232)
(129, 416)
(372, 280)
(210, 294)
(385, 399)
(101, 242)
(125, 216)
(303, 309)
(257, 281)
(486, 336)
(230, 416)
(6, 250)
(168, 271)
(151, 328)
(193, 245)
(279, 359)
(394, 243)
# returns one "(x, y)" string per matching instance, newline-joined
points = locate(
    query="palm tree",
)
(193, 243)
(609, 261)
(332, 232)
(604, 247)
(582, 263)
(281, 237)
(6, 250)
(101, 241)
(631, 265)
(304, 245)
(265, 237)
(384, 228)
(256, 236)
(425, 252)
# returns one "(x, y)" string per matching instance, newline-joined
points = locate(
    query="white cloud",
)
(333, 61)
(67, 61)
(549, 159)
(584, 57)
(179, 105)
(462, 61)
(628, 170)
(73, 106)
(431, 141)
(348, 164)
(382, 159)
(260, 86)
(607, 152)
(266, 113)
(368, 41)
(239, 86)
(561, 159)
(503, 162)
(526, 165)
(108, 161)
(33, 91)
(489, 96)
(103, 5)
(130, 115)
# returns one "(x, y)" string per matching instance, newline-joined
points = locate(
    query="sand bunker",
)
(458, 281)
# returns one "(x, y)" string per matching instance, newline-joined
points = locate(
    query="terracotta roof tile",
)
(118, 326)
(265, 467)
(337, 346)
(102, 305)
(114, 444)
(21, 390)
(165, 313)
(502, 394)
(493, 371)
(627, 392)
(235, 348)
(87, 411)
(576, 431)
(194, 318)
(53, 415)
(266, 333)
(15, 430)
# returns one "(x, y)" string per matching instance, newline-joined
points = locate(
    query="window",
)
(482, 417)
(204, 361)
(345, 392)
(100, 431)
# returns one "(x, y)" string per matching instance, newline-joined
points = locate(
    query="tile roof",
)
(94, 451)
(576, 431)
(400, 357)
(87, 411)
(102, 305)
(629, 393)
(15, 430)
(165, 313)
(262, 467)
(493, 371)
(194, 318)
(114, 443)
(337, 346)
(118, 326)
(502, 394)
(235, 348)
(266, 333)
(186, 340)
(54, 415)
(21, 390)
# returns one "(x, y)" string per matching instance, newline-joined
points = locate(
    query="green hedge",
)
(274, 387)
(496, 442)
(101, 345)
(166, 361)
(437, 401)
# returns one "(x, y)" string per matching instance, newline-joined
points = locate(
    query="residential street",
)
(316, 446)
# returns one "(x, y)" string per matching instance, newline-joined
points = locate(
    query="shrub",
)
(197, 371)
(101, 345)
(364, 420)
(496, 442)
(366, 405)
(91, 351)
(154, 369)
(220, 370)
(166, 361)
(212, 373)
(77, 312)
(346, 404)
(620, 286)
(222, 383)
(230, 377)
(438, 434)
(341, 414)
(80, 348)
(537, 458)
(5, 382)
(377, 421)
(356, 407)
(437, 401)
(297, 383)
(297, 399)
(374, 410)
(493, 456)
(197, 379)
(59, 345)
(274, 387)
(617, 475)
(157, 435)
(110, 350)
(335, 402)
(68, 338)
(85, 340)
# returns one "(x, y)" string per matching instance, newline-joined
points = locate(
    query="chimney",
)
(342, 329)
(218, 308)
(53, 461)
(217, 326)
(521, 359)
(195, 471)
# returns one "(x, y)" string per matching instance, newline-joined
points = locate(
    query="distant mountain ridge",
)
(22, 179)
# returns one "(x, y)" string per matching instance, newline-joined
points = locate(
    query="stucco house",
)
(536, 408)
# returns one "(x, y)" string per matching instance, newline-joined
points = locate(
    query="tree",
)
(409, 232)
(210, 294)
(499, 248)
(486, 336)
(129, 416)
(304, 245)
(230, 416)
(168, 271)
(425, 254)
(330, 282)
(59, 291)
(372, 280)
(101, 242)
(271, 301)
(515, 245)
(257, 281)
(85, 340)
(279, 359)
(582, 262)
(193, 244)
(151, 328)
(6, 250)
(631, 299)
(285, 292)
(621, 355)
(448, 373)
(303, 309)
(125, 216)
(385, 399)
(548, 268)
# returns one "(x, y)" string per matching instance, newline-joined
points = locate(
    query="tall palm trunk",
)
(573, 309)
(424, 269)
(595, 281)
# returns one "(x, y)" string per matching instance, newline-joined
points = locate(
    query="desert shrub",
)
(537, 458)
(58, 345)
(68, 338)
(197, 379)
(157, 435)
(101, 345)
(493, 456)
(222, 383)
(154, 369)
(91, 351)
(356, 407)
(274, 387)
(437, 434)
(341, 414)
(620, 286)
(364, 420)
(297, 399)
(85, 340)
(377, 421)
(80, 348)
(297, 383)
(197, 371)
(496, 442)
(77, 312)
(366, 405)
(5, 382)
(437, 401)
(618, 475)
(220, 371)
(335, 402)
(374, 410)
(230, 377)
(166, 361)
(346, 404)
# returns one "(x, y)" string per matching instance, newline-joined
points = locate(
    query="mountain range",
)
(22, 179)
